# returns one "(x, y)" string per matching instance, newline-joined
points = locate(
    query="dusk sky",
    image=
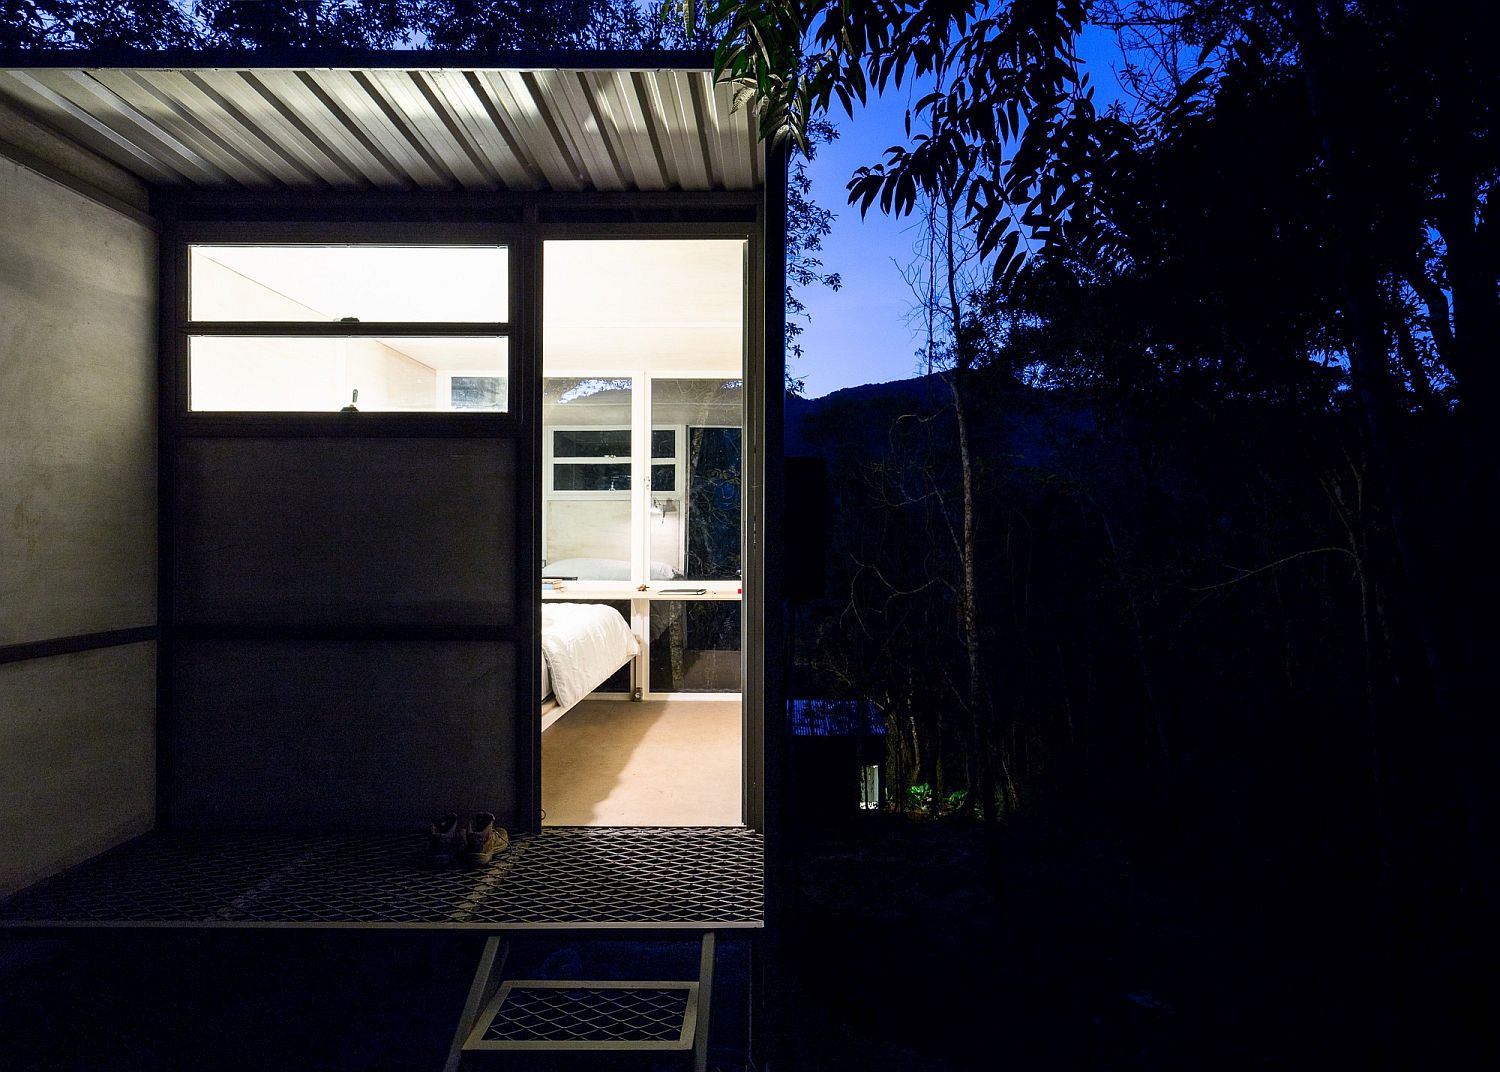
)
(859, 334)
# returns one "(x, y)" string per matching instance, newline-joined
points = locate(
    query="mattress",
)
(582, 645)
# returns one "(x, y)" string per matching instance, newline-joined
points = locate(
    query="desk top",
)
(661, 591)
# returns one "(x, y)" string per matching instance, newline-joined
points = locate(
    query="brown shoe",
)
(446, 840)
(486, 840)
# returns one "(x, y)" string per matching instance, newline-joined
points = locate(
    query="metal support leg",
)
(486, 981)
(705, 1002)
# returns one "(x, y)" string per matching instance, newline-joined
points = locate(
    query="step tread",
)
(575, 1014)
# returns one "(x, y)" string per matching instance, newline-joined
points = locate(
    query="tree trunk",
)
(984, 745)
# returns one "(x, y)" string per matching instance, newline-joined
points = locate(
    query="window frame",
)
(551, 460)
(436, 422)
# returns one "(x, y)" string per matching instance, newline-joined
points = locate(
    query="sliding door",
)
(642, 419)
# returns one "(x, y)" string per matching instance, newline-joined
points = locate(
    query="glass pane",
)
(695, 646)
(667, 305)
(589, 443)
(663, 478)
(283, 374)
(700, 539)
(663, 443)
(586, 538)
(477, 392)
(591, 476)
(331, 283)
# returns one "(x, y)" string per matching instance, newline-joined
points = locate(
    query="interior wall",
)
(77, 523)
(239, 373)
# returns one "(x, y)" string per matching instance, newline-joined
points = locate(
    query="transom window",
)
(352, 328)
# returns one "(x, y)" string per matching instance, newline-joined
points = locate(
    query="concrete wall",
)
(77, 522)
(77, 756)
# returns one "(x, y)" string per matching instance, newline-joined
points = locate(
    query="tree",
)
(98, 24)
(1373, 258)
(1013, 129)
(293, 24)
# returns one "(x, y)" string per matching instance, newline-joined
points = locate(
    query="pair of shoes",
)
(486, 840)
(446, 840)
(450, 841)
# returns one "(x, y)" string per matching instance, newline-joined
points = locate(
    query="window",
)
(455, 297)
(695, 646)
(330, 284)
(599, 459)
(696, 499)
(586, 470)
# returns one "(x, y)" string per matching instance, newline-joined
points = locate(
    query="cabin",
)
(390, 437)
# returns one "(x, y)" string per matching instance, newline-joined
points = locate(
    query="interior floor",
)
(657, 763)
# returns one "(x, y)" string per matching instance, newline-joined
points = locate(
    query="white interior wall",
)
(315, 375)
(308, 375)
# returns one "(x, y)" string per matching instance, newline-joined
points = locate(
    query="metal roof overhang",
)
(581, 121)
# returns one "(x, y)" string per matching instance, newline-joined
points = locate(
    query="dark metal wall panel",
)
(361, 531)
(330, 735)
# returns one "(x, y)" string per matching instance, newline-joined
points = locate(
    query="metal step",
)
(535, 1014)
(582, 1016)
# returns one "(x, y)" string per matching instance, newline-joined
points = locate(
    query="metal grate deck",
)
(588, 1015)
(564, 877)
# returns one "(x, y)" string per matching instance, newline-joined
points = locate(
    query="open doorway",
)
(642, 532)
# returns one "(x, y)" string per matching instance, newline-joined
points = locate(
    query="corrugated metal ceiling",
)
(432, 128)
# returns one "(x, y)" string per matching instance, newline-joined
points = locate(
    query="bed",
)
(582, 645)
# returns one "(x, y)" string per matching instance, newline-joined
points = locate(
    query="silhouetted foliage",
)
(305, 23)
(99, 24)
(1234, 471)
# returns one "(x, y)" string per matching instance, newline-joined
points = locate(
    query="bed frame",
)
(550, 713)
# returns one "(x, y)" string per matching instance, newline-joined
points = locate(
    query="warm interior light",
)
(665, 305)
(465, 284)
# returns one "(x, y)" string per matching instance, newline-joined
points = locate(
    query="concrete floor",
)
(658, 763)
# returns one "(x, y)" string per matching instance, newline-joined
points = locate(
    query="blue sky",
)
(859, 334)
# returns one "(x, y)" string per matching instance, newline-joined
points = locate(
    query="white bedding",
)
(582, 645)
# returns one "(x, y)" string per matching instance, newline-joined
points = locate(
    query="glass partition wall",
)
(642, 418)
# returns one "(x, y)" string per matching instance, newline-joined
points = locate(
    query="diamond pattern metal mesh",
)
(581, 876)
(642, 875)
(535, 1013)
